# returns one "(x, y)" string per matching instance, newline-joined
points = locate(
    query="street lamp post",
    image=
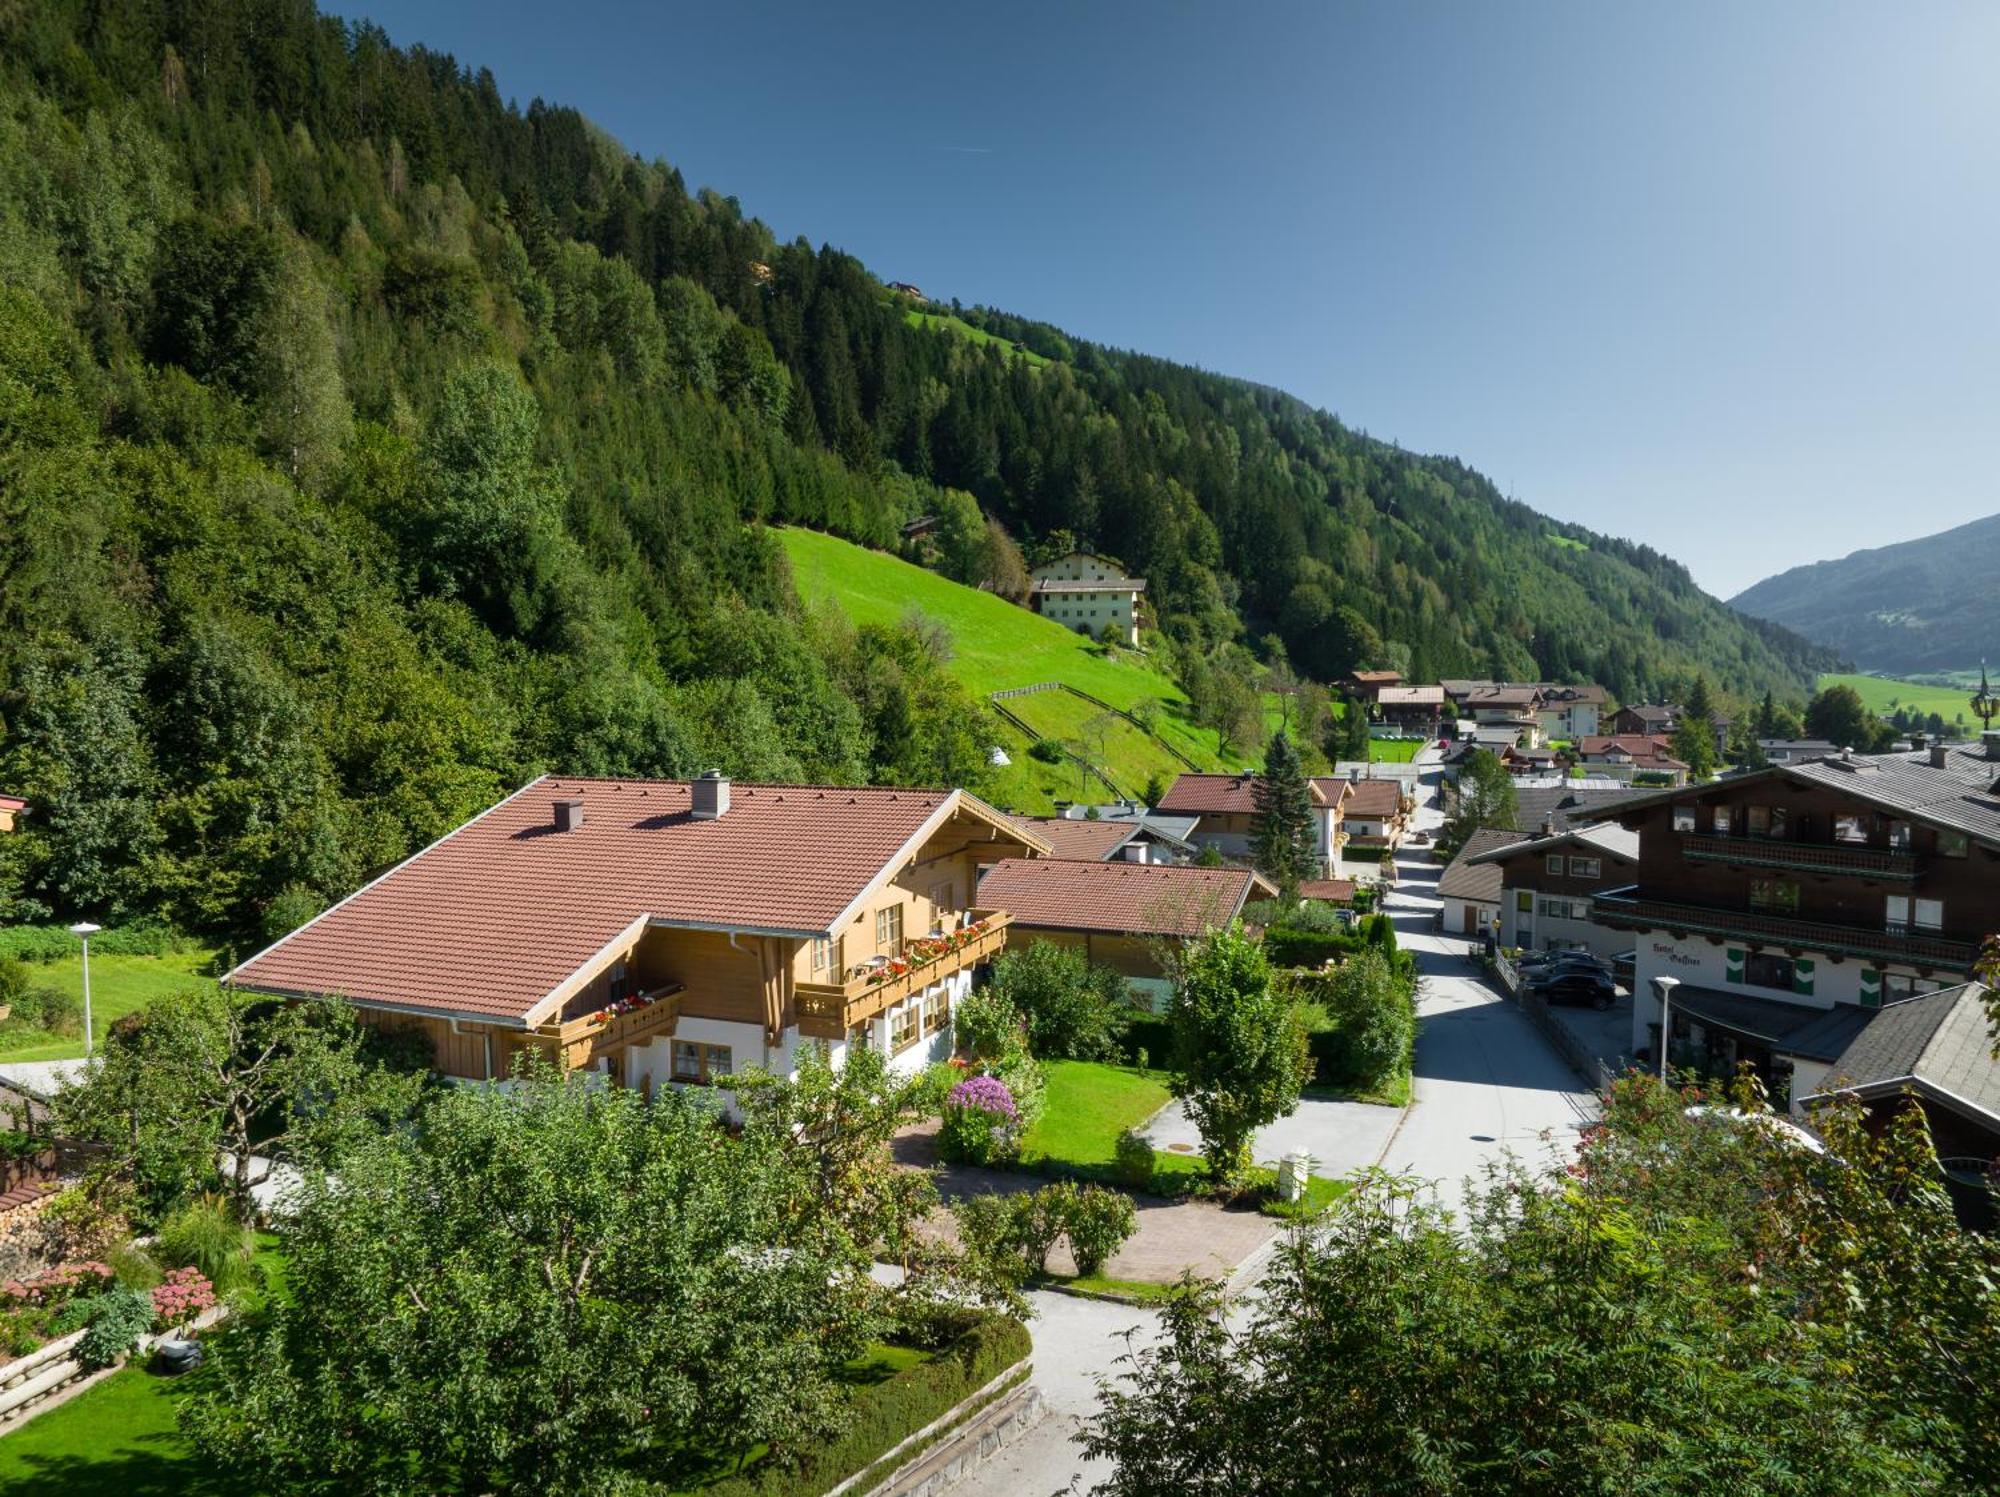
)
(83, 930)
(1663, 989)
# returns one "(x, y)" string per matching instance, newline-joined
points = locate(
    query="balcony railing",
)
(1628, 908)
(1805, 857)
(828, 1010)
(643, 1016)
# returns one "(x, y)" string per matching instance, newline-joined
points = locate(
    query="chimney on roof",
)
(1548, 826)
(569, 813)
(1938, 752)
(1917, 740)
(710, 796)
(1991, 739)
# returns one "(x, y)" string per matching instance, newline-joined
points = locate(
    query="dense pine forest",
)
(368, 443)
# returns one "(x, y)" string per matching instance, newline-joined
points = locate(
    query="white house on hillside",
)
(1085, 593)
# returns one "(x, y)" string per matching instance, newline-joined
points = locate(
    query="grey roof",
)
(1800, 745)
(1570, 805)
(1606, 837)
(1173, 829)
(1789, 1028)
(1477, 881)
(1939, 1043)
(1959, 796)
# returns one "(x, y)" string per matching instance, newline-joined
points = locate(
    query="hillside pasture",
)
(1884, 694)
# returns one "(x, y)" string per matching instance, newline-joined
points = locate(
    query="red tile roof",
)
(12, 803)
(493, 919)
(1141, 899)
(1337, 890)
(1643, 748)
(1080, 841)
(1372, 799)
(1216, 794)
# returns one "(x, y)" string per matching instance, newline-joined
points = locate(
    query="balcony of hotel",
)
(1802, 857)
(1628, 909)
(829, 1011)
(579, 1042)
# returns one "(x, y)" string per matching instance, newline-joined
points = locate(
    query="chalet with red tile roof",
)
(1125, 916)
(669, 931)
(1375, 814)
(1366, 686)
(1625, 755)
(1225, 806)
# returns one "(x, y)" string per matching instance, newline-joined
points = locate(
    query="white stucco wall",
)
(1535, 931)
(1454, 917)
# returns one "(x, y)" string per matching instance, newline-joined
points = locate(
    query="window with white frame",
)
(825, 957)
(1929, 914)
(1684, 818)
(937, 1012)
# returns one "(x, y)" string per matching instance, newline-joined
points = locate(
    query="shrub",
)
(1289, 947)
(1147, 1035)
(1374, 1022)
(1099, 1223)
(930, 1089)
(36, 1005)
(14, 980)
(114, 1321)
(984, 1024)
(184, 1294)
(54, 943)
(981, 1123)
(1073, 1009)
(63, 1284)
(1047, 750)
(1041, 1219)
(1132, 1160)
(205, 1234)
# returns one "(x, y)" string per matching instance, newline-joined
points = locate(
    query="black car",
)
(1563, 966)
(1578, 985)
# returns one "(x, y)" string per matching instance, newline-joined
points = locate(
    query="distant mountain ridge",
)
(1926, 604)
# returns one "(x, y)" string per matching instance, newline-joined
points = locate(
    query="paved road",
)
(1485, 1081)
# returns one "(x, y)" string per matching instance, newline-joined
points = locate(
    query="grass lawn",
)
(1087, 1106)
(944, 322)
(118, 984)
(995, 644)
(118, 1439)
(1884, 694)
(1394, 750)
(1099, 736)
(1321, 1193)
(1098, 1286)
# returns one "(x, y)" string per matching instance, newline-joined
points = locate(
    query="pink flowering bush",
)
(58, 1285)
(181, 1296)
(981, 1123)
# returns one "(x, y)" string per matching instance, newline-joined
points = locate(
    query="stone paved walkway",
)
(1173, 1236)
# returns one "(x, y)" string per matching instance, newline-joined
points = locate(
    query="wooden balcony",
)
(1627, 909)
(828, 1011)
(578, 1042)
(1802, 857)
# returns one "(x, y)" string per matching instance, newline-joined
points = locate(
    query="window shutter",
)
(1802, 976)
(1735, 959)
(1871, 987)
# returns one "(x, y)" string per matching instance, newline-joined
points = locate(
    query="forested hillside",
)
(1922, 605)
(367, 443)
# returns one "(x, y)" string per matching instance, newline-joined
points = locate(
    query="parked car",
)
(1578, 985)
(1549, 971)
(1625, 969)
(1541, 961)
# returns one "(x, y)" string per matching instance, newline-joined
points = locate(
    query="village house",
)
(1547, 883)
(1795, 750)
(1569, 712)
(1225, 808)
(1659, 719)
(1128, 917)
(1627, 756)
(1366, 686)
(1934, 1052)
(668, 932)
(1088, 594)
(1469, 888)
(1114, 837)
(1374, 815)
(1793, 903)
(1414, 709)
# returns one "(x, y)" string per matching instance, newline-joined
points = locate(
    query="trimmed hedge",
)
(1153, 1035)
(1308, 948)
(893, 1410)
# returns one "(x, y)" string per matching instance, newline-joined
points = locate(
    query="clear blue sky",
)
(1719, 277)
